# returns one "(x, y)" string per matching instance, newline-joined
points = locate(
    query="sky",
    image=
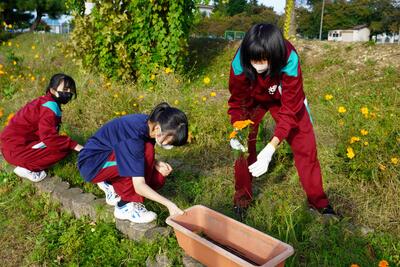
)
(278, 5)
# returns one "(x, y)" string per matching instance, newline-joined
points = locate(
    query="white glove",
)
(235, 144)
(260, 167)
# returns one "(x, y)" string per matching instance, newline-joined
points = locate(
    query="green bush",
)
(134, 39)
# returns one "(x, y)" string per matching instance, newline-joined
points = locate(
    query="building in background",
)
(358, 33)
(205, 10)
(61, 25)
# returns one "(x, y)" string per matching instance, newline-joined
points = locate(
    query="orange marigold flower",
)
(354, 265)
(233, 134)
(242, 124)
(383, 263)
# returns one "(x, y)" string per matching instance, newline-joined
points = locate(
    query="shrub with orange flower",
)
(240, 134)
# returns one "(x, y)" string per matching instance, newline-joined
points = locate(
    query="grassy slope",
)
(364, 189)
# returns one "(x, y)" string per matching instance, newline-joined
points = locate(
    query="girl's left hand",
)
(162, 167)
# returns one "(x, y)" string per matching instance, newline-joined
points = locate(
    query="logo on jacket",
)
(273, 88)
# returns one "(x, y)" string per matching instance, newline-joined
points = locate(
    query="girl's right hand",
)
(174, 210)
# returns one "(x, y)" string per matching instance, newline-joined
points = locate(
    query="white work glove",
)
(235, 144)
(260, 167)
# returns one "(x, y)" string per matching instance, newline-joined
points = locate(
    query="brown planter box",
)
(217, 240)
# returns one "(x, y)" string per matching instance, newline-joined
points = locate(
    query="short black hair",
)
(58, 78)
(172, 121)
(263, 42)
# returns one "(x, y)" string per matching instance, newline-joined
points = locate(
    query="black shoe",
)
(240, 212)
(327, 212)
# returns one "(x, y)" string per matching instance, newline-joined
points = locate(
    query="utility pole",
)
(322, 18)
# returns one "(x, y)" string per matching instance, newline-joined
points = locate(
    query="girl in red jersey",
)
(31, 140)
(266, 76)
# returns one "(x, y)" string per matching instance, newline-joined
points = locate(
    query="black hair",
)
(172, 121)
(58, 78)
(263, 42)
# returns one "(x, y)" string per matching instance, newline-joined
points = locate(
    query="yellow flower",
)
(354, 139)
(328, 97)
(115, 95)
(33, 47)
(134, 104)
(117, 113)
(393, 160)
(350, 153)
(29, 75)
(9, 43)
(176, 102)
(141, 96)
(342, 109)
(364, 111)
(9, 117)
(14, 62)
(37, 56)
(123, 113)
(363, 132)
(213, 94)
(206, 80)
(239, 125)
(108, 84)
(366, 143)
(204, 98)
(62, 133)
(33, 78)
(190, 137)
(152, 77)
(168, 70)
(2, 72)
(43, 79)
(9, 26)
(233, 134)
(383, 263)
(381, 167)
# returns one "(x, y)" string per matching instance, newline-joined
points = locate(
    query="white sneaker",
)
(135, 212)
(30, 175)
(111, 197)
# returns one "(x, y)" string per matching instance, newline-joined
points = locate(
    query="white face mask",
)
(260, 68)
(167, 147)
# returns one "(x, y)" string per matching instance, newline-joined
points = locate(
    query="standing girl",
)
(121, 156)
(31, 140)
(266, 76)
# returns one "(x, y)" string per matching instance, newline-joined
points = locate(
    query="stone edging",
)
(74, 201)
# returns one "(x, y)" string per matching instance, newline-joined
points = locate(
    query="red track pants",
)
(123, 186)
(303, 145)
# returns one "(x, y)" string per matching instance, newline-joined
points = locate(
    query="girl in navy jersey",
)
(119, 157)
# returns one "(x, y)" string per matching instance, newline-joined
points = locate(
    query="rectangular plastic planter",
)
(217, 240)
